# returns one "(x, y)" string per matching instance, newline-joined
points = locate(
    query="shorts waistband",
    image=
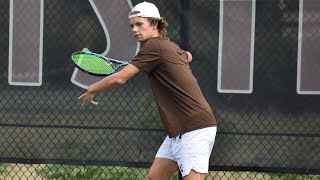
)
(180, 136)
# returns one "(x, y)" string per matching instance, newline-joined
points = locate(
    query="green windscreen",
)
(92, 64)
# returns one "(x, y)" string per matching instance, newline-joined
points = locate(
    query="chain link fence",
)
(255, 62)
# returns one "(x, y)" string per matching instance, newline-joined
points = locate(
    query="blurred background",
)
(256, 62)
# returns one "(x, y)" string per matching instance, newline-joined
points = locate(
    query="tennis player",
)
(186, 115)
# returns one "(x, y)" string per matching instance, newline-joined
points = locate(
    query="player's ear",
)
(154, 23)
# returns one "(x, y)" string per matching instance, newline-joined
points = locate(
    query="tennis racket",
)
(95, 64)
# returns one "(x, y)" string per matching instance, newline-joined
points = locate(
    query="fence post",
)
(184, 24)
(184, 31)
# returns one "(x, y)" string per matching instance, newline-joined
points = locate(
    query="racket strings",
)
(93, 64)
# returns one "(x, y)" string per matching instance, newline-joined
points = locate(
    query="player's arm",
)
(109, 82)
(114, 80)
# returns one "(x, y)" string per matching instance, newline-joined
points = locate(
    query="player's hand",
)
(189, 56)
(88, 97)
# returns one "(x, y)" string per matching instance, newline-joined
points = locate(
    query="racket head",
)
(92, 63)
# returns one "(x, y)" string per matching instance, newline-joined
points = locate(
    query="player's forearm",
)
(105, 84)
(114, 80)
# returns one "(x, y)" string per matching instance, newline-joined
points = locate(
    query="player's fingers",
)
(82, 96)
(95, 103)
(83, 102)
(85, 97)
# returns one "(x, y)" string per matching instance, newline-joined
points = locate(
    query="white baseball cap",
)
(145, 9)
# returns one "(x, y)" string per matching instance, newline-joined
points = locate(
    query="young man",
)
(186, 115)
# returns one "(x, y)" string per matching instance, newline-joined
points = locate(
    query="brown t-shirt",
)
(181, 104)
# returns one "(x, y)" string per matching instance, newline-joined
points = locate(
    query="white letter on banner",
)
(120, 41)
(25, 42)
(308, 63)
(236, 46)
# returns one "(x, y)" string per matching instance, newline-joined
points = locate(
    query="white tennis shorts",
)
(190, 150)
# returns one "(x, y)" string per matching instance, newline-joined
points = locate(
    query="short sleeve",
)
(149, 56)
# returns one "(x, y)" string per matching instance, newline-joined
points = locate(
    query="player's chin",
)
(140, 39)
